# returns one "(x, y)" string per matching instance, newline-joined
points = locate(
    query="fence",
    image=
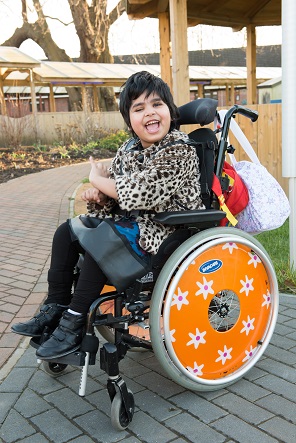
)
(264, 135)
(62, 127)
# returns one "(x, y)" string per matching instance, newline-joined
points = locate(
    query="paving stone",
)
(97, 425)
(280, 429)
(194, 430)
(277, 368)
(278, 386)
(159, 384)
(15, 427)
(244, 409)
(279, 406)
(249, 390)
(240, 431)
(69, 403)
(156, 406)
(149, 430)
(43, 383)
(282, 355)
(30, 404)
(202, 409)
(17, 380)
(7, 401)
(49, 425)
(36, 438)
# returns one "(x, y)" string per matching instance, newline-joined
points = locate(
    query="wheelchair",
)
(209, 306)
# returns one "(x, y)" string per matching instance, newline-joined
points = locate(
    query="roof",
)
(231, 13)
(271, 82)
(269, 55)
(108, 74)
(11, 57)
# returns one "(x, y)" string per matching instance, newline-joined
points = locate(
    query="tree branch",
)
(117, 12)
(57, 19)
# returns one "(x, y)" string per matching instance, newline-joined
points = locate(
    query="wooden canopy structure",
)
(176, 15)
(19, 70)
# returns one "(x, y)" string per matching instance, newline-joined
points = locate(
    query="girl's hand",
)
(99, 177)
(98, 169)
(93, 195)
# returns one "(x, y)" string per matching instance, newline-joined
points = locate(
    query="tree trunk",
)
(92, 26)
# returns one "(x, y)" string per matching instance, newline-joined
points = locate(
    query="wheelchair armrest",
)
(187, 217)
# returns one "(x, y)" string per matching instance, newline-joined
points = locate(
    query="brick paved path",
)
(36, 408)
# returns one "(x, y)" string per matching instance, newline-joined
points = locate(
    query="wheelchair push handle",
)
(249, 113)
(236, 109)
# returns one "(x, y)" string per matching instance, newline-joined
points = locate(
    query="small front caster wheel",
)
(54, 369)
(119, 418)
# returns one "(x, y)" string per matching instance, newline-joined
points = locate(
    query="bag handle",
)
(241, 138)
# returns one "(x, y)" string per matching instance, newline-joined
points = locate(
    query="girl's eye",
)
(158, 104)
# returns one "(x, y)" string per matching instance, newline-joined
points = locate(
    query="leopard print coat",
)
(163, 177)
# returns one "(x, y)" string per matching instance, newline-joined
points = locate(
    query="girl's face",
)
(150, 118)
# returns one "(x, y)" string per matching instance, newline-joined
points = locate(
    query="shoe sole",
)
(53, 357)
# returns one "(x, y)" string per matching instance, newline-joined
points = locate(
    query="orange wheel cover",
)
(230, 269)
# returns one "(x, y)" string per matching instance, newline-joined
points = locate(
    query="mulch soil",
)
(15, 163)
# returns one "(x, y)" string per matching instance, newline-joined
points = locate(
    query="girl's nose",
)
(150, 112)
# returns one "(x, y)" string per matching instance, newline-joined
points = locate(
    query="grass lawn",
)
(276, 243)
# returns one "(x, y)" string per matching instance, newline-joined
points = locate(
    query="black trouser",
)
(65, 254)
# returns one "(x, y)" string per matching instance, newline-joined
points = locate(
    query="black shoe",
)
(65, 339)
(49, 315)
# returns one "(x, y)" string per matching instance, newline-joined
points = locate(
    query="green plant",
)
(276, 243)
(113, 141)
(39, 147)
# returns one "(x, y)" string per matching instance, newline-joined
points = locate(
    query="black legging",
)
(65, 254)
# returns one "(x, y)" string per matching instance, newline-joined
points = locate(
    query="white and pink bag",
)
(268, 206)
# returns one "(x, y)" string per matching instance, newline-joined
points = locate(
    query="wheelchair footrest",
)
(76, 358)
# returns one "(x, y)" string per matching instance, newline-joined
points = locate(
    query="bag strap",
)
(241, 138)
(216, 187)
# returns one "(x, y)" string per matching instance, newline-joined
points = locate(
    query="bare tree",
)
(92, 25)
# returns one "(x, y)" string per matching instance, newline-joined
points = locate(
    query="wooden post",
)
(232, 95)
(84, 98)
(2, 98)
(96, 98)
(180, 60)
(251, 65)
(52, 105)
(200, 90)
(34, 103)
(165, 48)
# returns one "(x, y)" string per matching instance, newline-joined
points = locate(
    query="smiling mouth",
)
(152, 126)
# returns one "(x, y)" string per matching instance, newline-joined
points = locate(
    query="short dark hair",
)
(139, 83)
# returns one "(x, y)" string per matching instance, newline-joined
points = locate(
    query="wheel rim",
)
(230, 287)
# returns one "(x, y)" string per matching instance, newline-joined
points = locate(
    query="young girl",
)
(154, 172)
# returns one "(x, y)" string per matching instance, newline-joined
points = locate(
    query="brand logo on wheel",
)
(210, 266)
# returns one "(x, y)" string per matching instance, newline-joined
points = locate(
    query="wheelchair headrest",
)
(201, 111)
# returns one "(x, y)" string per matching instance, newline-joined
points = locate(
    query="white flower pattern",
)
(247, 285)
(197, 338)
(254, 259)
(196, 370)
(180, 299)
(224, 355)
(248, 325)
(205, 288)
(231, 246)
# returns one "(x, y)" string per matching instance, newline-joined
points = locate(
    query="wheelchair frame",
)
(116, 315)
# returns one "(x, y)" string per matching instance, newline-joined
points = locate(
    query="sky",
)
(125, 36)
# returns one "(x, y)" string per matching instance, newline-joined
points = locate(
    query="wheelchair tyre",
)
(54, 369)
(119, 418)
(230, 321)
